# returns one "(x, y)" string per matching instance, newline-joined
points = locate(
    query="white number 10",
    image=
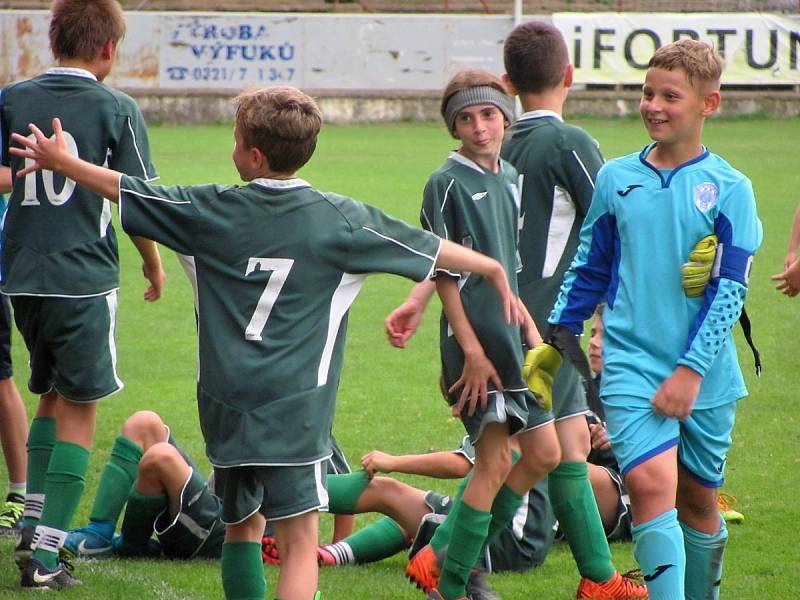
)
(279, 268)
(56, 199)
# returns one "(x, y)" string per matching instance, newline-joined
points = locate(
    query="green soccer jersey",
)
(57, 236)
(278, 265)
(478, 209)
(557, 164)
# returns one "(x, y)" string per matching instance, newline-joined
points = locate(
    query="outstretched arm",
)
(52, 154)
(403, 321)
(789, 280)
(442, 465)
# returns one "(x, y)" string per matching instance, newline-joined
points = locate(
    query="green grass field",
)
(389, 399)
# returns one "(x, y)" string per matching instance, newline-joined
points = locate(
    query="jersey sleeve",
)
(739, 233)
(168, 215)
(437, 214)
(581, 161)
(383, 244)
(589, 276)
(132, 152)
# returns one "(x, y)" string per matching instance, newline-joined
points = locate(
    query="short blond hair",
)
(282, 122)
(702, 65)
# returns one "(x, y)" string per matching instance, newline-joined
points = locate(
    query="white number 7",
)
(279, 268)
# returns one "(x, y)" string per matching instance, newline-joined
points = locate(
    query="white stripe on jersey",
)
(141, 195)
(561, 221)
(401, 244)
(444, 203)
(583, 167)
(343, 297)
(145, 174)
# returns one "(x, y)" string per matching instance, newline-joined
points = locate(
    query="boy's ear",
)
(569, 75)
(711, 102)
(512, 89)
(108, 50)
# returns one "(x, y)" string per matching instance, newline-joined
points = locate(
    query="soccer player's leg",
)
(473, 514)
(64, 485)
(705, 441)
(191, 526)
(645, 445)
(140, 431)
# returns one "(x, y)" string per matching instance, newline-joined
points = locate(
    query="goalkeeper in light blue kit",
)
(671, 379)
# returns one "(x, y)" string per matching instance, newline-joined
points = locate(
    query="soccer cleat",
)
(724, 503)
(427, 527)
(24, 546)
(479, 589)
(269, 551)
(36, 576)
(120, 547)
(11, 514)
(87, 543)
(619, 587)
(424, 569)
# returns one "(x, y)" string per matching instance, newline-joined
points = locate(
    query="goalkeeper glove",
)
(696, 273)
(539, 369)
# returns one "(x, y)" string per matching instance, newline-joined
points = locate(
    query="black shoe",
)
(427, 527)
(479, 589)
(36, 575)
(22, 551)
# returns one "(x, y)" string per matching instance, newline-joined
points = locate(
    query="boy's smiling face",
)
(481, 129)
(672, 109)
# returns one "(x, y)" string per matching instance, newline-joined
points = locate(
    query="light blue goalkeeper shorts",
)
(703, 439)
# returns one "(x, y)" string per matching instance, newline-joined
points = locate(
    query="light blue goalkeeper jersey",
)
(640, 229)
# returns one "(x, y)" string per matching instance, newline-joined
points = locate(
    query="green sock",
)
(576, 510)
(116, 480)
(441, 537)
(64, 484)
(376, 541)
(242, 571)
(504, 508)
(470, 528)
(41, 438)
(345, 490)
(140, 514)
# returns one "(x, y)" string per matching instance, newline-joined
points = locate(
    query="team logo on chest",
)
(706, 196)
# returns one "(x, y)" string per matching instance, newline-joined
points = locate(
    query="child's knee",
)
(144, 427)
(158, 458)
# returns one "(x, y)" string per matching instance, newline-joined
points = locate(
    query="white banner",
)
(614, 48)
(225, 52)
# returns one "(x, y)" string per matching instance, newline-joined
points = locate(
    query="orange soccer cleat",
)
(424, 569)
(619, 587)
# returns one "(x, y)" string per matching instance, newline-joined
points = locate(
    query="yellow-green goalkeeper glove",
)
(539, 369)
(696, 273)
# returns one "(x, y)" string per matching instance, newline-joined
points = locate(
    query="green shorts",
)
(517, 408)
(337, 464)
(569, 397)
(275, 492)
(72, 344)
(198, 530)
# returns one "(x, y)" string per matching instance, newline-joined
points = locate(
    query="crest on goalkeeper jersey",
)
(705, 196)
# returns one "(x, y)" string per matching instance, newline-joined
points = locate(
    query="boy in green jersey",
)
(60, 267)
(557, 164)
(278, 265)
(472, 200)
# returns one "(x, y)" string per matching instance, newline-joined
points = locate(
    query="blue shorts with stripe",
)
(703, 439)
